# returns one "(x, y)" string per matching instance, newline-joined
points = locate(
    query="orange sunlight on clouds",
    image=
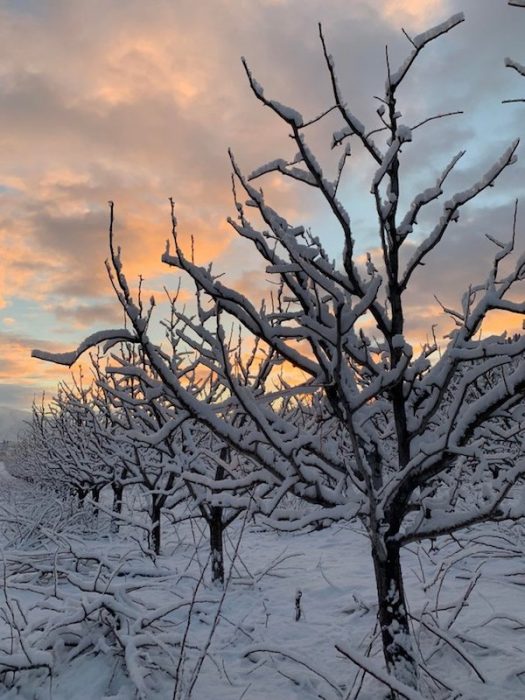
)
(418, 14)
(140, 66)
(136, 102)
(497, 323)
(18, 366)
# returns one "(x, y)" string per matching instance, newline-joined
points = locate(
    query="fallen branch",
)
(296, 659)
(380, 675)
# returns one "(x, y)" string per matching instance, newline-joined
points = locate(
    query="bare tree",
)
(396, 428)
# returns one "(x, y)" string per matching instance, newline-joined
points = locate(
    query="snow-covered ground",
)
(95, 608)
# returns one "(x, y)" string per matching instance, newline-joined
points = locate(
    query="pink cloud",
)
(415, 14)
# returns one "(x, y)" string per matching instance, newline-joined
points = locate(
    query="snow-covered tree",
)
(158, 446)
(151, 443)
(385, 431)
(62, 441)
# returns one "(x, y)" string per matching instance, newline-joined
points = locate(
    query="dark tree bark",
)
(156, 506)
(95, 493)
(216, 526)
(393, 614)
(81, 493)
(118, 491)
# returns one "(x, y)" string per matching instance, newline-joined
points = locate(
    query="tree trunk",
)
(216, 545)
(82, 493)
(95, 492)
(118, 490)
(393, 616)
(156, 505)
(216, 526)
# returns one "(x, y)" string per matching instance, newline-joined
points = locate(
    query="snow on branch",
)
(288, 114)
(286, 234)
(425, 197)
(451, 207)
(354, 125)
(370, 667)
(511, 63)
(445, 521)
(280, 651)
(69, 358)
(281, 166)
(403, 135)
(425, 37)
(508, 158)
(517, 3)
(340, 135)
(242, 309)
(511, 389)
(419, 42)
(278, 164)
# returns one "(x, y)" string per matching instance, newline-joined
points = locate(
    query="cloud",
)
(17, 396)
(143, 104)
(418, 13)
(87, 315)
(464, 259)
(18, 369)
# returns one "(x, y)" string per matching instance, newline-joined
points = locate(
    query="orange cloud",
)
(144, 235)
(18, 366)
(144, 105)
(499, 322)
(140, 65)
(415, 14)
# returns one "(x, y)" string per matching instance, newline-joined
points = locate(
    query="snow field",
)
(129, 643)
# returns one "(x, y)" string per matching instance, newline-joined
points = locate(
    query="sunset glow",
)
(137, 102)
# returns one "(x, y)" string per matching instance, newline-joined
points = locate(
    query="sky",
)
(136, 102)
